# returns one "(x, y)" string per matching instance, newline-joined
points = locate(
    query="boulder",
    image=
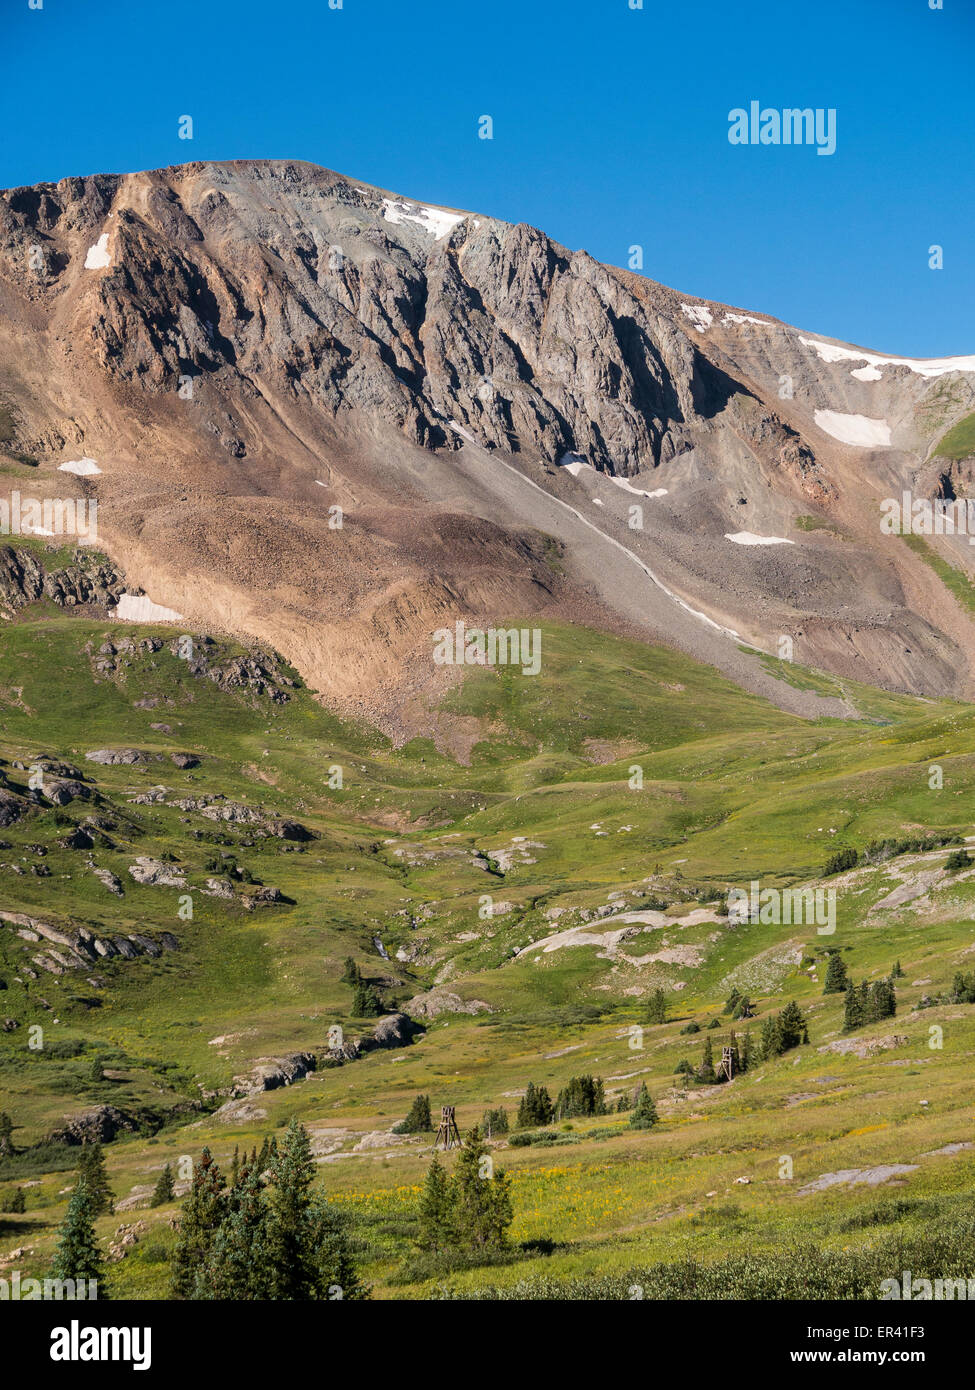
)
(101, 1124)
(443, 1001)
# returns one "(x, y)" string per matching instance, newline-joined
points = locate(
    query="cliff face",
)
(333, 419)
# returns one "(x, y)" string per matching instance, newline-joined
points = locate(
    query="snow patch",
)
(924, 366)
(82, 467)
(139, 608)
(699, 314)
(575, 463)
(637, 491)
(433, 220)
(99, 255)
(743, 318)
(867, 373)
(749, 538)
(854, 429)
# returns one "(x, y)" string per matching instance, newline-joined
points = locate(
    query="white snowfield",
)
(627, 486)
(743, 318)
(924, 366)
(699, 314)
(750, 538)
(139, 608)
(855, 429)
(99, 255)
(575, 463)
(82, 467)
(433, 220)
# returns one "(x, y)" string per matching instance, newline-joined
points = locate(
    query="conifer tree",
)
(535, 1107)
(6, 1135)
(706, 1073)
(240, 1262)
(481, 1197)
(94, 1175)
(292, 1173)
(418, 1120)
(835, 982)
(852, 1009)
(644, 1112)
(866, 1007)
(350, 974)
(584, 1095)
(97, 1072)
(656, 1007)
(792, 1027)
(366, 1002)
(77, 1255)
(898, 971)
(770, 1046)
(203, 1211)
(436, 1210)
(164, 1190)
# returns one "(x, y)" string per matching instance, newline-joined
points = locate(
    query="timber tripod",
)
(448, 1132)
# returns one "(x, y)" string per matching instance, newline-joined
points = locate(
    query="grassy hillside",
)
(576, 862)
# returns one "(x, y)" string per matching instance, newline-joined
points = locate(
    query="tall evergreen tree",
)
(482, 1197)
(164, 1190)
(240, 1261)
(203, 1211)
(644, 1112)
(792, 1027)
(292, 1173)
(6, 1135)
(77, 1255)
(656, 1007)
(535, 1107)
(706, 1072)
(584, 1095)
(852, 1008)
(94, 1175)
(418, 1120)
(436, 1210)
(366, 1002)
(835, 982)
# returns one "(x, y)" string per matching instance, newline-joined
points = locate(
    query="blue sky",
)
(610, 128)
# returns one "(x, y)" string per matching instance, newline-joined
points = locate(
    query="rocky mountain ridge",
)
(334, 420)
